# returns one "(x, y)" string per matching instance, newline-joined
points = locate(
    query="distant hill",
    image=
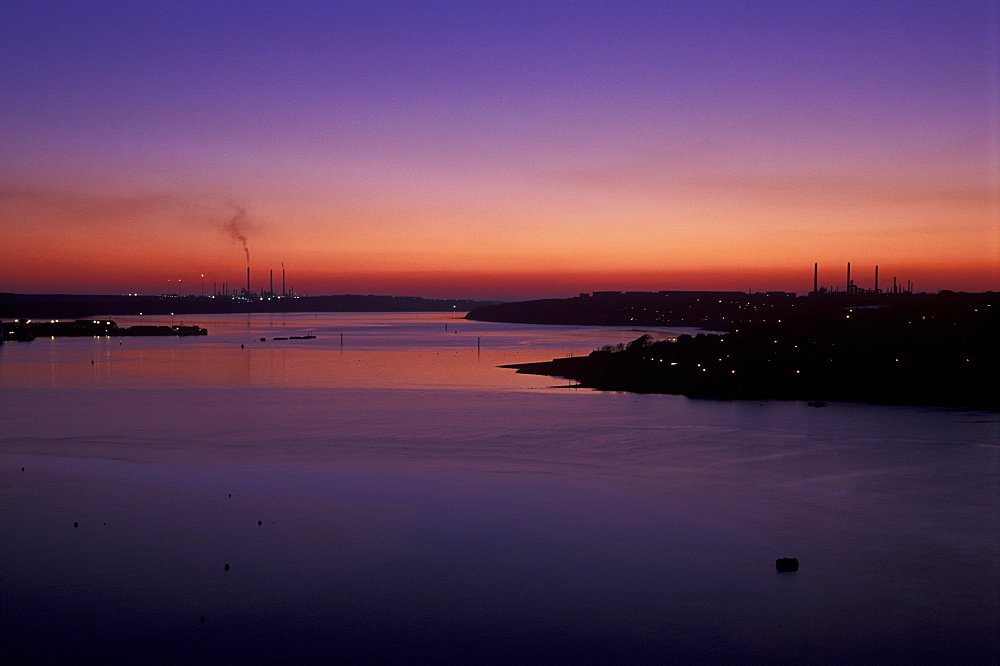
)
(71, 306)
(717, 310)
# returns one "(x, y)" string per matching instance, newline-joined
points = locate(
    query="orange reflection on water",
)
(383, 350)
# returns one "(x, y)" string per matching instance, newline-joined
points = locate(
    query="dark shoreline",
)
(79, 306)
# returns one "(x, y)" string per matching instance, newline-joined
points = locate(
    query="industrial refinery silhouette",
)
(852, 288)
(247, 293)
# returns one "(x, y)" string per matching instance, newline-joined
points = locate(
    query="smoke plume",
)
(238, 228)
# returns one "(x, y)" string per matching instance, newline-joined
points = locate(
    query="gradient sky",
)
(498, 149)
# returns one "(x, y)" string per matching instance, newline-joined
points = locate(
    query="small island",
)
(25, 330)
(935, 349)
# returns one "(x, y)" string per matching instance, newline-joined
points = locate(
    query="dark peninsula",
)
(917, 349)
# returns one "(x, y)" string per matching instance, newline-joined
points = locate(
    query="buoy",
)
(202, 618)
(227, 566)
(259, 522)
(786, 564)
(75, 524)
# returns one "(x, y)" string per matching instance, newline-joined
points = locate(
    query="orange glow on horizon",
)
(110, 278)
(547, 161)
(145, 244)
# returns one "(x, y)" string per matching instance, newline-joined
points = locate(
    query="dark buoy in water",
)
(242, 347)
(22, 469)
(787, 564)
(203, 618)
(260, 522)
(227, 566)
(230, 494)
(76, 524)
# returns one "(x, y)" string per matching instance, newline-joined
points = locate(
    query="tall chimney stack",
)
(849, 290)
(283, 292)
(270, 289)
(248, 280)
(815, 277)
(876, 278)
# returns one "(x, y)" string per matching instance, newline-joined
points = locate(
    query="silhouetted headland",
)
(918, 349)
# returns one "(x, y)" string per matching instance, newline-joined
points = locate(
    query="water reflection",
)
(356, 350)
(416, 503)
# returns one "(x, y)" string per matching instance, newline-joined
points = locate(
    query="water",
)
(419, 504)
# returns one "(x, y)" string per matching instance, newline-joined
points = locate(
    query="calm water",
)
(419, 504)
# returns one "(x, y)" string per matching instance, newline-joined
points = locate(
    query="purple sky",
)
(422, 144)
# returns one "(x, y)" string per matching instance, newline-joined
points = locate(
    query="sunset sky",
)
(498, 149)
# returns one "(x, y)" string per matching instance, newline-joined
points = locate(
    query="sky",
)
(498, 150)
